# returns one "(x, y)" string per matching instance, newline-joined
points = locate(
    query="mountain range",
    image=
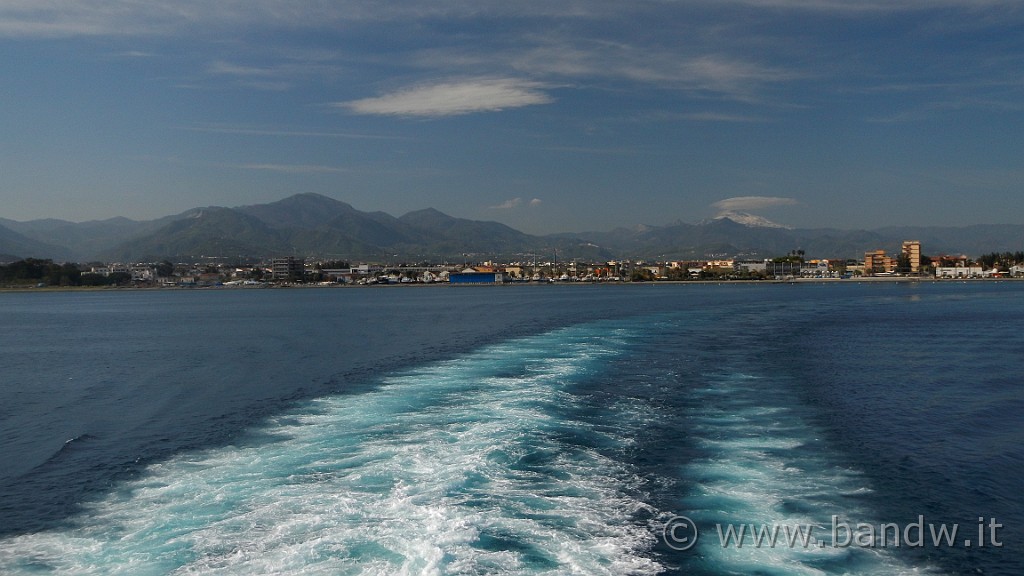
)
(316, 226)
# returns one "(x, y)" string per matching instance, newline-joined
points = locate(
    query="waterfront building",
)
(783, 269)
(288, 268)
(960, 272)
(912, 252)
(750, 266)
(474, 276)
(878, 262)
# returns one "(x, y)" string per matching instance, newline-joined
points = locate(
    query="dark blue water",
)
(526, 430)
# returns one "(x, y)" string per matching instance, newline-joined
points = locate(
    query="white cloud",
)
(516, 203)
(453, 98)
(509, 204)
(746, 203)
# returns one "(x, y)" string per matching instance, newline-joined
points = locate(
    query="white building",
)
(143, 273)
(760, 266)
(960, 272)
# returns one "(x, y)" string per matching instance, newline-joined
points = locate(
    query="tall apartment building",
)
(877, 262)
(912, 251)
(288, 268)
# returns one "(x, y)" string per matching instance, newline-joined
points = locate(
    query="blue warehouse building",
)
(471, 276)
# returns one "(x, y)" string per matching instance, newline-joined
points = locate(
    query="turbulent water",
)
(514, 430)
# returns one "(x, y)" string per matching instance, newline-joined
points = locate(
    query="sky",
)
(546, 115)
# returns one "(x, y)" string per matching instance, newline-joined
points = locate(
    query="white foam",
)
(452, 468)
(764, 465)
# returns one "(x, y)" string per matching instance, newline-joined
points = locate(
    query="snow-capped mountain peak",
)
(751, 220)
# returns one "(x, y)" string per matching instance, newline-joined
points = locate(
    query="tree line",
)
(35, 271)
(1001, 260)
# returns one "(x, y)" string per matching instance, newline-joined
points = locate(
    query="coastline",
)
(866, 279)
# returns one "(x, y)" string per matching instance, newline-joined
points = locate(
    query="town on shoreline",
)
(909, 264)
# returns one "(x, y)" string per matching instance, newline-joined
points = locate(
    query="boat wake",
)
(466, 466)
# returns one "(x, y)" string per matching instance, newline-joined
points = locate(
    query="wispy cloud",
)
(275, 71)
(580, 59)
(516, 203)
(868, 6)
(291, 168)
(62, 18)
(242, 131)
(54, 18)
(508, 204)
(453, 98)
(560, 45)
(745, 203)
(719, 117)
(220, 67)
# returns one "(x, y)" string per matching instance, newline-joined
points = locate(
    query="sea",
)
(769, 429)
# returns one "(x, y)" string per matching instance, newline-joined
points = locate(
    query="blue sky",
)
(545, 115)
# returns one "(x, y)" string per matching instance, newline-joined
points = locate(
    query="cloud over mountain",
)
(747, 203)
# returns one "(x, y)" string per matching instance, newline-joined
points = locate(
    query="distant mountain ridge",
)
(13, 244)
(316, 226)
(303, 224)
